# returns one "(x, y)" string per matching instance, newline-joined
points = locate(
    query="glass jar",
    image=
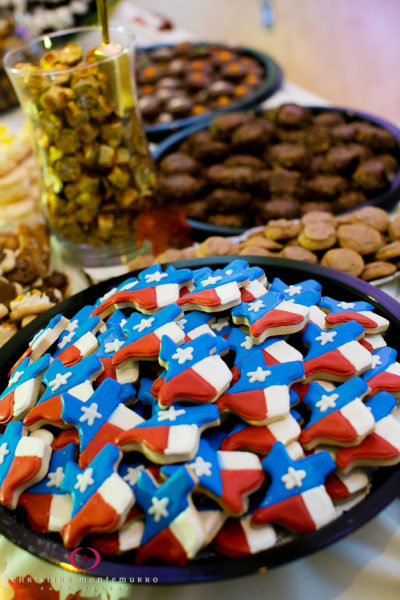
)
(96, 172)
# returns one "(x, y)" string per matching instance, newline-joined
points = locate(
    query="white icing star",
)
(345, 305)
(72, 325)
(171, 414)
(247, 343)
(181, 323)
(84, 480)
(59, 380)
(113, 346)
(55, 478)
(325, 337)
(133, 474)
(326, 402)
(122, 323)
(201, 467)
(292, 290)
(219, 325)
(130, 285)
(293, 478)
(158, 508)
(106, 295)
(376, 360)
(67, 338)
(3, 452)
(89, 414)
(229, 271)
(183, 354)
(157, 276)
(258, 375)
(256, 306)
(211, 280)
(144, 324)
(16, 377)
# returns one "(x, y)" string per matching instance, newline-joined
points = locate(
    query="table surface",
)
(363, 566)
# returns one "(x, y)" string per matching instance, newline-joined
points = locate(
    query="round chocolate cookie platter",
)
(184, 84)
(211, 563)
(244, 169)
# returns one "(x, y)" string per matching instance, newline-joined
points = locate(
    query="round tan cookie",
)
(282, 229)
(261, 242)
(255, 251)
(317, 236)
(299, 253)
(394, 229)
(373, 216)
(360, 237)
(344, 259)
(318, 216)
(389, 251)
(216, 246)
(378, 269)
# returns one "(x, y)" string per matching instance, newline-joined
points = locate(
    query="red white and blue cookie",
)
(384, 374)
(341, 312)
(240, 537)
(79, 339)
(299, 290)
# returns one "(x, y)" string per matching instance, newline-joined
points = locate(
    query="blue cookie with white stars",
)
(360, 311)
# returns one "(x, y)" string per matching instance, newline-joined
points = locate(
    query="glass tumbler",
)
(96, 173)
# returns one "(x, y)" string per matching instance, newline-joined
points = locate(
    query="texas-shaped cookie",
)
(339, 312)
(384, 374)
(79, 339)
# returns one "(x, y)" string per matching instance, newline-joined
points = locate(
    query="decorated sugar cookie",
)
(297, 497)
(382, 447)
(373, 341)
(227, 477)
(24, 460)
(299, 290)
(222, 326)
(47, 506)
(128, 537)
(212, 517)
(214, 290)
(101, 499)
(77, 380)
(338, 417)
(110, 341)
(196, 323)
(153, 290)
(23, 389)
(341, 486)
(79, 339)
(261, 395)
(317, 316)
(240, 537)
(99, 420)
(335, 354)
(173, 531)
(195, 372)
(275, 349)
(65, 437)
(341, 312)
(257, 285)
(271, 315)
(384, 374)
(170, 435)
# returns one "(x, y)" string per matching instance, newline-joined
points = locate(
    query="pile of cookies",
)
(19, 189)
(193, 412)
(27, 286)
(364, 243)
(244, 169)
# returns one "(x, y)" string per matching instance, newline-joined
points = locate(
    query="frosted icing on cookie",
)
(373, 342)
(79, 339)
(308, 290)
(341, 312)
(275, 349)
(196, 323)
(239, 537)
(338, 417)
(101, 499)
(297, 497)
(341, 486)
(385, 372)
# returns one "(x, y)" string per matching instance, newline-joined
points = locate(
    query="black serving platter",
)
(209, 567)
(200, 230)
(271, 83)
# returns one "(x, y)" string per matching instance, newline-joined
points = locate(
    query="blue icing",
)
(83, 484)
(243, 346)
(59, 379)
(116, 320)
(205, 278)
(255, 375)
(154, 275)
(338, 306)
(381, 405)
(50, 325)
(222, 326)
(320, 341)
(163, 504)
(8, 443)
(252, 311)
(308, 473)
(51, 484)
(25, 371)
(194, 319)
(382, 358)
(182, 415)
(293, 397)
(306, 292)
(129, 472)
(324, 403)
(139, 325)
(80, 324)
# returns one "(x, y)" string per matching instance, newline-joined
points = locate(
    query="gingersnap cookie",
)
(360, 237)
(344, 259)
(373, 216)
(378, 269)
(389, 251)
(394, 229)
(318, 216)
(282, 229)
(255, 251)
(299, 253)
(317, 236)
(215, 246)
(258, 240)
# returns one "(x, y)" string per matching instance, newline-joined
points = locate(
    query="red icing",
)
(22, 470)
(202, 298)
(27, 352)
(344, 317)
(275, 318)
(49, 411)
(251, 406)
(256, 439)
(163, 547)
(231, 539)
(236, 484)
(301, 389)
(108, 371)
(146, 347)
(145, 299)
(70, 356)
(187, 385)
(107, 433)
(374, 447)
(37, 508)
(335, 487)
(366, 344)
(7, 408)
(66, 437)
(384, 381)
(155, 388)
(246, 296)
(105, 544)
(291, 513)
(332, 427)
(269, 359)
(153, 438)
(332, 362)
(95, 516)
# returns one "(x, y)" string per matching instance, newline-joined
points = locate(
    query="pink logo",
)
(85, 559)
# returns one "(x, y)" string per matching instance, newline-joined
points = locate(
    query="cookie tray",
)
(208, 567)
